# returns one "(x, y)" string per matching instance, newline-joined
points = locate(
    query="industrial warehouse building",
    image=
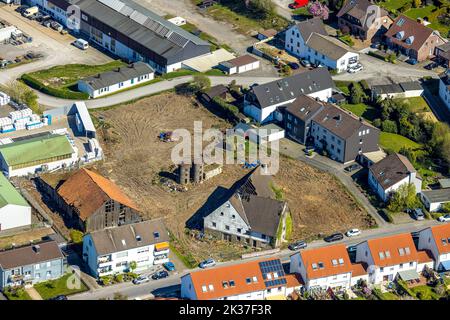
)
(119, 79)
(15, 212)
(129, 31)
(46, 152)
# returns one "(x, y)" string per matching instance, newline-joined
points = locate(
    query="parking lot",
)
(56, 48)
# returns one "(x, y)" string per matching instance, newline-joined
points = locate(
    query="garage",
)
(241, 64)
(267, 133)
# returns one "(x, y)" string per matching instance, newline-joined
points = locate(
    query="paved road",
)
(171, 285)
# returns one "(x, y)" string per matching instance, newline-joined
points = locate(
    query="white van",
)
(82, 44)
(30, 11)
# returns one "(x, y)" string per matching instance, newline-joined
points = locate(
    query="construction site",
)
(138, 159)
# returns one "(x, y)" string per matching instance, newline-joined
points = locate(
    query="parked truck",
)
(30, 11)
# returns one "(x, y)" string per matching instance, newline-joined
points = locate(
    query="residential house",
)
(413, 39)
(309, 40)
(344, 136)
(254, 280)
(408, 89)
(444, 88)
(392, 256)
(114, 250)
(386, 176)
(116, 80)
(326, 267)
(31, 264)
(240, 64)
(299, 115)
(130, 31)
(443, 54)
(37, 154)
(437, 240)
(434, 199)
(15, 212)
(268, 34)
(249, 213)
(91, 202)
(263, 101)
(363, 19)
(219, 91)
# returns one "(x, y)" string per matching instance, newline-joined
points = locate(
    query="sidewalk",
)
(33, 293)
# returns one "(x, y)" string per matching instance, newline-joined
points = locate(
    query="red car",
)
(298, 4)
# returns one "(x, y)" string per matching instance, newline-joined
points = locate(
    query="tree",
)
(76, 236)
(357, 94)
(446, 207)
(389, 126)
(318, 9)
(417, 3)
(404, 197)
(133, 265)
(201, 82)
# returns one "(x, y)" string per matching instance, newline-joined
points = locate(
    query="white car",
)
(207, 263)
(355, 69)
(445, 218)
(141, 279)
(353, 233)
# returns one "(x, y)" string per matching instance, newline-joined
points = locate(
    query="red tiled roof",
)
(439, 233)
(294, 280)
(359, 269)
(410, 27)
(326, 261)
(393, 250)
(424, 256)
(216, 277)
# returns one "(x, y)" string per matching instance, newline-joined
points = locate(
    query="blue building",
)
(31, 264)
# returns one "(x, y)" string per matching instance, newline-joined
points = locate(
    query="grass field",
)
(425, 293)
(395, 142)
(53, 288)
(362, 110)
(16, 294)
(67, 75)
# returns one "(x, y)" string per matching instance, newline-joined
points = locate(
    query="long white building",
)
(113, 250)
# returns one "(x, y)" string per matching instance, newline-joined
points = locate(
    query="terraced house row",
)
(376, 261)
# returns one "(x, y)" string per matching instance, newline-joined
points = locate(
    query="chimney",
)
(37, 249)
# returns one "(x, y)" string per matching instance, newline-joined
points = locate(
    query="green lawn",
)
(390, 296)
(394, 4)
(416, 104)
(426, 293)
(362, 110)
(427, 12)
(53, 288)
(395, 142)
(303, 12)
(16, 294)
(66, 75)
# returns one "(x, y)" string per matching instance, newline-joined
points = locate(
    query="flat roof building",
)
(42, 153)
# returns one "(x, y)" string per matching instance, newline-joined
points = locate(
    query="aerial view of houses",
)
(224, 150)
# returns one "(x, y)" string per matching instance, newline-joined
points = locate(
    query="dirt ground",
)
(25, 237)
(135, 158)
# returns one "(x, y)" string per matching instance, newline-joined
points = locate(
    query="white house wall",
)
(444, 93)
(14, 216)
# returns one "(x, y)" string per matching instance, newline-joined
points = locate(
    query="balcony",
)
(104, 259)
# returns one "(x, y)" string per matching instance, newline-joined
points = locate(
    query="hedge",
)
(226, 107)
(59, 93)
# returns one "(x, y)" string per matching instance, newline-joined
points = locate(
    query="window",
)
(122, 255)
(321, 266)
(401, 251)
(232, 284)
(269, 276)
(109, 206)
(233, 216)
(411, 264)
(401, 266)
(381, 254)
(388, 254)
(221, 214)
(49, 273)
(204, 289)
(341, 261)
(239, 230)
(275, 275)
(407, 251)
(225, 284)
(211, 287)
(156, 235)
(36, 267)
(334, 262)
(255, 279)
(314, 266)
(214, 224)
(248, 280)
(381, 269)
(227, 228)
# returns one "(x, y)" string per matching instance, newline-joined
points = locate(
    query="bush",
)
(119, 278)
(76, 236)
(389, 126)
(59, 93)
(228, 109)
(106, 280)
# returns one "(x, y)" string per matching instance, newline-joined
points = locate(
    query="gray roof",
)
(326, 47)
(305, 107)
(411, 85)
(139, 24)
(287, 89)
(310, 26)
(392, 169)
(26, 256)
(126, 237)
(85, 116)
(358, 9)
(387, 89)
(439, 195)
(445, 183)
(341, 123)
(121, 74)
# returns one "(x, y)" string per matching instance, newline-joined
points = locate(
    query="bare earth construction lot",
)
(135, 157)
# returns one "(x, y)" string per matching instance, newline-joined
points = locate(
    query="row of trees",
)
(21, 93)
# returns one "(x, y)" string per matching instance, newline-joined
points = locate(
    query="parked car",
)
(59, 298)
(356, 68)
(56, 26)
(207, 263)
(353, 167)
(297, 245)
(305, 63)
(412, 61)
(375, 45)
(141, 280)
(353, 233)
(293, 65)
(418, 214)
(160, 275)
(445, 218)
(431, 66)
(334, 237)
(169, 266)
